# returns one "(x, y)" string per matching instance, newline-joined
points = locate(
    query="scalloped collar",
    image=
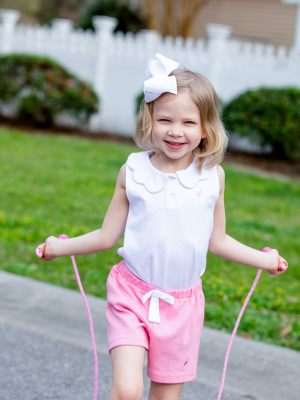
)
(154, 180)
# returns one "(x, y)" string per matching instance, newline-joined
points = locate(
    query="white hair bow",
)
(158, 81)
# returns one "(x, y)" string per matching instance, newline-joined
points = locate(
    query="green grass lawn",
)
(58, 184)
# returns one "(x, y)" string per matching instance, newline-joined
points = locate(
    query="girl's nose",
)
(176, 132)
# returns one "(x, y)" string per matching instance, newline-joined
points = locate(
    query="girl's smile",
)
(175, 145)
(177, 131)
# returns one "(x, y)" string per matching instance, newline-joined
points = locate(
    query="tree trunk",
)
(152, 14)
(164, 14)
(169, 18)
(192, 9)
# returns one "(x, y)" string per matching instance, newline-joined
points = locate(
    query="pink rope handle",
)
(282, 265)
(39, 253)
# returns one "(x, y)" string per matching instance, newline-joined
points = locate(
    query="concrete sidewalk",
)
(50, 314)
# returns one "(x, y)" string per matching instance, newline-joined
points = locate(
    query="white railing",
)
(115, 64)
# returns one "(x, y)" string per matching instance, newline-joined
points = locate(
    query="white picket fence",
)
(115, 64)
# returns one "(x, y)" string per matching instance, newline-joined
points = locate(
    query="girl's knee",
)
(127, 391)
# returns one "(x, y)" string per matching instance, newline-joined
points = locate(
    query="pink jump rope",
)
(40, 252)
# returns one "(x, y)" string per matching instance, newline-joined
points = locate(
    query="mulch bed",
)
(261, 161)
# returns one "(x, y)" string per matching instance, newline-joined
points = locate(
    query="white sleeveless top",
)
(169, 223)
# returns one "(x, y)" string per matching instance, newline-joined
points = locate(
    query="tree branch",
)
(190, 19)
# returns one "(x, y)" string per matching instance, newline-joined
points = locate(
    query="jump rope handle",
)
(283, 267)
(40, 252)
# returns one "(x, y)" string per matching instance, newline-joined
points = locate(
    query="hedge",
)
(39, 89)
(268, 116)
(128, 19)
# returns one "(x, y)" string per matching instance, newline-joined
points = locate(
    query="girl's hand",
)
(49, 248)
(276, 262)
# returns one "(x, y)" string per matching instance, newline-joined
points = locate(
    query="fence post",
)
(217, 48)
(62, 25)
(104, 27)
(8, 20)
(152, 40)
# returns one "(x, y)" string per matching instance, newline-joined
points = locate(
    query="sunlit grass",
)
(55, 184)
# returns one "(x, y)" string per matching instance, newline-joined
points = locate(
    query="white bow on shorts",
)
(154, 303)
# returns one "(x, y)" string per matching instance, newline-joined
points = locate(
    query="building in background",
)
(265, 21)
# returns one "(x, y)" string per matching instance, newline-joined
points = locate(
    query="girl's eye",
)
(189, 122)
(164, 120)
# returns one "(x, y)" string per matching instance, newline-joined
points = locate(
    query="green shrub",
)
(268, 117)
(40, 89)
(128, 19)
(45, 10)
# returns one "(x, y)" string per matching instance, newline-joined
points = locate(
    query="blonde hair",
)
(206, 99)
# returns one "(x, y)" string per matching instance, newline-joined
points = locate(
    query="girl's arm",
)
(102, 239)
(226, 247)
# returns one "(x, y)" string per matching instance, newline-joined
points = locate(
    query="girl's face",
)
(177, 127)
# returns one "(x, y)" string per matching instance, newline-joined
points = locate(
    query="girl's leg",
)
(165, 391)
(127, 362)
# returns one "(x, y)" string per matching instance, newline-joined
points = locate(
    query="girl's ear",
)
(204, 135)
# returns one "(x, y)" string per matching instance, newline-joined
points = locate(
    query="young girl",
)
(169, 200)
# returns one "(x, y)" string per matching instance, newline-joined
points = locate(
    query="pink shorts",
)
(173, 343)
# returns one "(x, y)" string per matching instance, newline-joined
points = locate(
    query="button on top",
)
(173, 176)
